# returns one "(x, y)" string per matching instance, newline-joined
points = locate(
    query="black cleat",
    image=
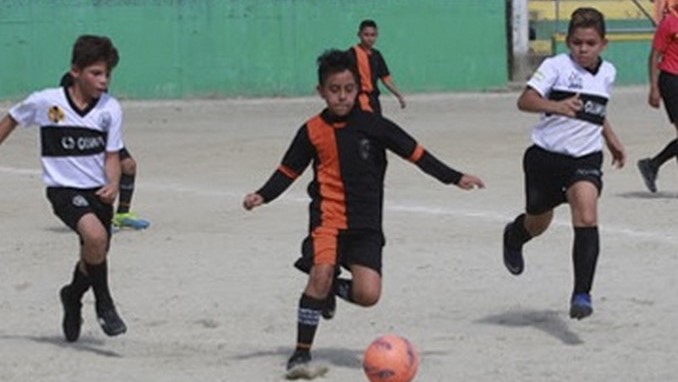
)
(299, 366)
(513, 258)
(649, 174)
(72, 315)
(330, 307)
(581, 306)
(110, 321)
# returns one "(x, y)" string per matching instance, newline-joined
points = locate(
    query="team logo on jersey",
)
(105, 119)
(55, 114)
(364, 148)
(79, 201)
(575, 81)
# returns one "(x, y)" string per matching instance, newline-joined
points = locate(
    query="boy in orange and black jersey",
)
(371, 67)
(347, 149)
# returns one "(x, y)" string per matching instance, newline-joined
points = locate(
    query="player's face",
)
(92, 80)
(368, 36)
(339, 92)
(585, 45)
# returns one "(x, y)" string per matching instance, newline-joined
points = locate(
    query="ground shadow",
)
(339, 357)
(648, 195)
(84, 344)
(548, 321)
(58, 229)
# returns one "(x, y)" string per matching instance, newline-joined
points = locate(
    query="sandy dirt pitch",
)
(209, 292)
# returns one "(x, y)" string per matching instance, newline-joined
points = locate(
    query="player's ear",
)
(75, 71)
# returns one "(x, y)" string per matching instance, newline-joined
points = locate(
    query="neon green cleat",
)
(129, 220)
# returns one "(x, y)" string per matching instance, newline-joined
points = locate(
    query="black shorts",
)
(71, 204)
(668, 88)
(548, 175)
(370, 100)
(124, 154)
(342, 248)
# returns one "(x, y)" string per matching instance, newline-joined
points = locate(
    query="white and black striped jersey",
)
(73, 142)
(560, 77)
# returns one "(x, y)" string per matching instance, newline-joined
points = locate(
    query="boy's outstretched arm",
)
(407, 147)
(295, 161)
(7, 125)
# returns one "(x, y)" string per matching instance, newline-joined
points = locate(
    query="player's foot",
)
(129, 220)
(110, 321)
(72, 317)
(580, 306)
(300, 366)
(330, 307)
(513, 258)
(649, 173)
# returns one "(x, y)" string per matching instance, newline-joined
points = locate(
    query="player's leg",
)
(124, 217)
(361, 252)
(649, 167)
(365, 288)
(95, 240)
(583, 200)
(543, 192)
(321, 247)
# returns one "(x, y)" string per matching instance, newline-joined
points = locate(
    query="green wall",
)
(183, 48)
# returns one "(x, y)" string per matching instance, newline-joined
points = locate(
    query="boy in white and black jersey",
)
(564, 163)
(80, 136)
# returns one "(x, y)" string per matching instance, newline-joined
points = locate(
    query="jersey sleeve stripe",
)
(417, 153)
(288, 172)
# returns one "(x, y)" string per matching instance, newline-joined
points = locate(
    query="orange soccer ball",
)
(390, 358)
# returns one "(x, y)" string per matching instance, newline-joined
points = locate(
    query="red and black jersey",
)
(349, 163)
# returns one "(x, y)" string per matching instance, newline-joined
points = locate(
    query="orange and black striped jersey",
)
(371, 68)
(349, 164)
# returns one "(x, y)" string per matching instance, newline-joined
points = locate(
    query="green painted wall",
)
(183, 48)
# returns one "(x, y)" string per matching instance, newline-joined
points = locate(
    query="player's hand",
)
(469, 182)
(252, 200)
(569, 106)
(107, 193)
(618, 154)
(654, 98)
(401, 101)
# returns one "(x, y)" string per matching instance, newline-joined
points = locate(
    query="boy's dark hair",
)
(367, 24)
(586, 17)
(89, 49)
(335, 61)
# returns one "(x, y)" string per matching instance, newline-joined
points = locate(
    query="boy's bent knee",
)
(366, 298)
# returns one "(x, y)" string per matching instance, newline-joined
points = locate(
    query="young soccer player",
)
(563, 165)
(347, 149)
(80, 137)
(663, 72)
(123, 217)
(371, 67)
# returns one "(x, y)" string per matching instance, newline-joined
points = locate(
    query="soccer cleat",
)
(110, 321)
(513, 258)
(649, 173)
(580, 306)
(330, 307)
(129, 220)
(72, 316)
(299, 366)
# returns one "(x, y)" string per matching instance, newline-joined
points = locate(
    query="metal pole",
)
(521, 39)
